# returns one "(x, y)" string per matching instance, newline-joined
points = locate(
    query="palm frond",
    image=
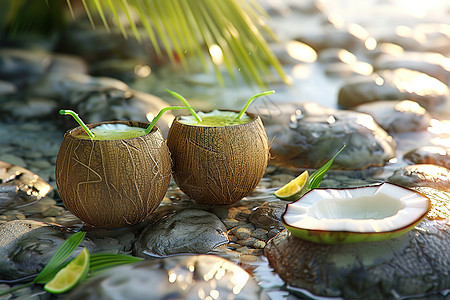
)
(185, 28)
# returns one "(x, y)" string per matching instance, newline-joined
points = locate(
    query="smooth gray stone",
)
(26, 246)
(422, 175)
(434, 37)
(185, 231)
(179, 277)
(99, 99)
(397, 116)
(436, 155)
(433, 64)
(268, 215)
(19, 187)
(414, 264)
(316, 133)
(22, 67)
(99, 44)
(398, 84)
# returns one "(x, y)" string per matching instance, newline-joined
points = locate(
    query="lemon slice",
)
(70, 275)
(294, 189)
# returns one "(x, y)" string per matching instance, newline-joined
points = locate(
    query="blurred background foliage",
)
(230, 34)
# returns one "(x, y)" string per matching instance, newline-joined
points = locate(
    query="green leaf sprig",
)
(78, 119)
(98, 262)
(316, 177)
(56, 263)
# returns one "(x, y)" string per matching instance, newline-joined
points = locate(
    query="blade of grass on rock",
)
(102, 261)
(316, 178)
(59, 257)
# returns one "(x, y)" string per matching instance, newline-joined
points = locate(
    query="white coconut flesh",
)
(376, 209)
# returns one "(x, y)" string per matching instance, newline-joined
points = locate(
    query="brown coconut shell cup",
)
(218, 165)
(113, 183)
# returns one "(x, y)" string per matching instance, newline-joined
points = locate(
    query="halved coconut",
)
(370, 213)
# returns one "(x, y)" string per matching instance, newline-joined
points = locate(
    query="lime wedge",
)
(70, 275)
(293, 190)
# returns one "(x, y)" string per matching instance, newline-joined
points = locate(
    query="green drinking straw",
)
(155, 119)
(241, 113)
(184, 101)
(77, 118)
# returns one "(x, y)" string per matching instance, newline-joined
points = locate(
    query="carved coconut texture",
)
(218, 165)
(113, 183)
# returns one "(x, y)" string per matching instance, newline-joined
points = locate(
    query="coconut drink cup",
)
(218, 164)
(113, 183)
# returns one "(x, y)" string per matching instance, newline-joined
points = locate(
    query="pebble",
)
(399, 84)
(422, 175)
(242, 233)
(260, 234)
(397, 116)
(13, 159)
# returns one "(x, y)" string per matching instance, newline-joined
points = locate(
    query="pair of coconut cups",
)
(119, 183)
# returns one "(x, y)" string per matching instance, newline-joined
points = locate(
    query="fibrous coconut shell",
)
(113, 183)
(218, 165)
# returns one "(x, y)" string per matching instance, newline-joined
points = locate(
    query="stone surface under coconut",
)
(415, 264)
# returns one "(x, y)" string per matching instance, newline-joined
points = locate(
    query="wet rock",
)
(19, 187)
(397, 116)
(422, 175)
(432, 64)
(414, 264)
(186, 231)
(397, 84)
(30, 108)
(180, 277)
(294, 52)
(64, 63)
(96, 45)
(7, 89)
(123, 69)
(344, 70)
(440, 203)
(99, 99)
(268, 215)
(26, 246)
(316, 133)
(329, 36)
(22, 67)
(423, 37)
(436, 155)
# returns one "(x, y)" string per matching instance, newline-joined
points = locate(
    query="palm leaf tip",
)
(232, 32)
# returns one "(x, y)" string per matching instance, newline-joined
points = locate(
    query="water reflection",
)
(442, 129)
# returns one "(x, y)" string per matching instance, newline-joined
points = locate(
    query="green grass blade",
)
(127, 12)
(88, 13)
(101, 13)
(112, 7)
(142, 10)
(170, 24)
(69, 5)
(60, 257)
(102, 261)
(160, 29)
(316, 178)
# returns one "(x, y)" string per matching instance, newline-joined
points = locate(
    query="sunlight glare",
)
(301, 52)
(216, 54)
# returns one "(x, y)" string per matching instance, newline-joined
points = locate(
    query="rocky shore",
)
(391, 111)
